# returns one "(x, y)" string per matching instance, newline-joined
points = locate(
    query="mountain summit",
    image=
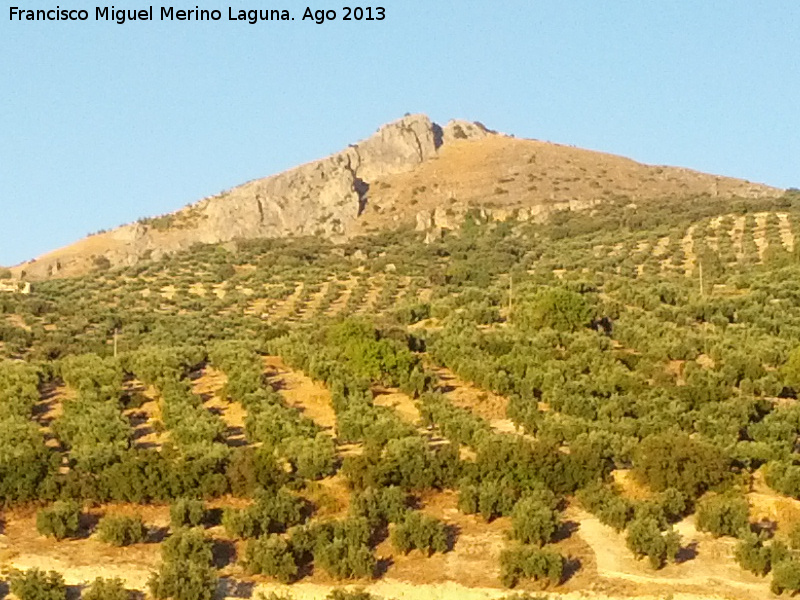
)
(411, 171)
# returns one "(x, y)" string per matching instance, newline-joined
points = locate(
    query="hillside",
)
(410, 171)
(474, 400)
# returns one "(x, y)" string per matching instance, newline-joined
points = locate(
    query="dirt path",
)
(660, 249)
(485, 404)
(338, 305)
(209, 387)
(760, 234)
(711, 567)
(737, 236)
(787, 236)
(311, 398)
(148, 427)
(284, 308)
(374, 287)
(402, 403)
(687, 244)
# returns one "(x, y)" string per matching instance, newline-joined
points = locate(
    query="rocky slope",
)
(410, 171)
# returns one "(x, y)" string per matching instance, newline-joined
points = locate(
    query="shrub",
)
(35, 584)
(272, 512)
(752, 555)
(380, 505)
(185, 572)
(534, 522)
(183, 580)
(271, 556)
(646, 539)
(607, 505)
(527, 562)
(341, 548)
(794, 537)
(313, 458)
(421, 532)
(106, 589)
(186, 512)
(120, 530)
(674, 460)
(187, 545)
(786, 577)
(343, 594)
(723, 515)
(61, 520)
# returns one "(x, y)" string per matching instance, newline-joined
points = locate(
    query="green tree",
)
(675, 460)
(723, 515)
(752, 555)
(786, 577)
(187, 512)
(106, 589)
(181, 580)
(61, 520)
(421, 532)
(534, 522)
(35, 584)
(121, 530)
(646, 539)
(557, 308)
(272, 556)
(186, 572)
(527, 562)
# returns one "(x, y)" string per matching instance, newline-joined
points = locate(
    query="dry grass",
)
(484, 404)
(402, 403)
(311, 398)
(208, 385)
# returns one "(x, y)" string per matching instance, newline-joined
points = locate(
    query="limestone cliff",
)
(324, 197)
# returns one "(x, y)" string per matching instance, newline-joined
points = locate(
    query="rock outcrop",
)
(323, 197)
(411, 171)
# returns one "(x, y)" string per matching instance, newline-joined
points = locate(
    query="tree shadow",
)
(140, 432)
(156, 535)
(213, 517)
(566, 529)
(223, 553)
(73, 592)
(232, 588)
(571, 566)
(236, 437)
(452, 533)
(86, 524)
(382, 566)
(686, 553)
(378, 535)
(764, 527)
(277, 386)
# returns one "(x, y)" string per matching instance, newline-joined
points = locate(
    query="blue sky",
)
(101, 124)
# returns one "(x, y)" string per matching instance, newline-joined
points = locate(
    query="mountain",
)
(411, 171)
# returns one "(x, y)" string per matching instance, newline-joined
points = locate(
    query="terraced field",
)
(359, 393)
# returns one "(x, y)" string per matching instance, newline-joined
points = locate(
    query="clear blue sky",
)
(101, 124)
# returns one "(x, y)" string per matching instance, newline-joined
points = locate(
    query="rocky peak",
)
(324, 197)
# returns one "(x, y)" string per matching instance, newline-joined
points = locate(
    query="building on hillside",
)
(15, 287)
